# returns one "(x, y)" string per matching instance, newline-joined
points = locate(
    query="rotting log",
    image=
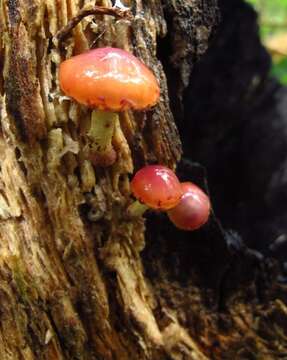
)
(72, 281)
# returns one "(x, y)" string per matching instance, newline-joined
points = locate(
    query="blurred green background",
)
(273, 29)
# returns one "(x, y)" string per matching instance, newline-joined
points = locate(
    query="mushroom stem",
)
(100, 134)
(136, 209)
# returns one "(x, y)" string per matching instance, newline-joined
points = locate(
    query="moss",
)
(26, 288)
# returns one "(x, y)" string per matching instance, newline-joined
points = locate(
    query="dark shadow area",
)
(235, 125)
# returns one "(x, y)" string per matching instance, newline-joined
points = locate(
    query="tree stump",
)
(78, 278)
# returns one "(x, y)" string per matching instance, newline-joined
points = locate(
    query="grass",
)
(273, 22)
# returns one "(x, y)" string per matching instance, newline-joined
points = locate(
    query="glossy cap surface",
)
(157, 187)
(193, 209)
(109, 79)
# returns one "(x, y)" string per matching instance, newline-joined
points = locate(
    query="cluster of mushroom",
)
(111, 80)
(157, 187)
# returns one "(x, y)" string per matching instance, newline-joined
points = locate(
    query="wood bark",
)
(73, 283)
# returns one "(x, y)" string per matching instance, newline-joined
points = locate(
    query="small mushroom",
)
(193, 209)
(109, 80)
(156, 187)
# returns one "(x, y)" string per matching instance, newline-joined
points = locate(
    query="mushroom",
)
(156, 187)
(107, 80)
(193, 209)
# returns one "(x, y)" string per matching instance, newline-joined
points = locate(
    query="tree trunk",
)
(77, 279)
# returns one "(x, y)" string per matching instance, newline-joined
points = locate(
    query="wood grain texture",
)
(72, 280)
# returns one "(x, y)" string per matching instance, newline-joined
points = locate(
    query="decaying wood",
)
(92, 10)
(72, 281)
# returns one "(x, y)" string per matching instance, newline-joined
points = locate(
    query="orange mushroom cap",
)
(109, 79)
